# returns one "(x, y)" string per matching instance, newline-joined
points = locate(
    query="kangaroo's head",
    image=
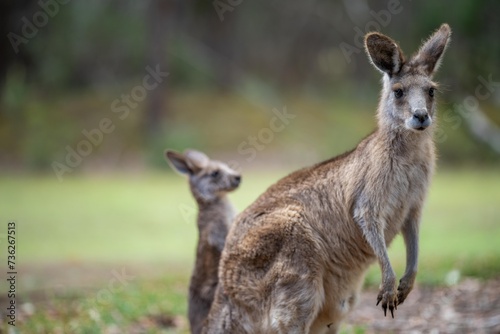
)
(407, 100)
(208, 179)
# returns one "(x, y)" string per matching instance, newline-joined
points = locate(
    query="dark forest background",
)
(229, 64)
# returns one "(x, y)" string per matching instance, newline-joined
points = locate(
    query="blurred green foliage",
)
(225, 77)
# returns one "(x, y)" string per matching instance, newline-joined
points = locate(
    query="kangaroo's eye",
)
(431, 91)
(215, 174)
(398, 93)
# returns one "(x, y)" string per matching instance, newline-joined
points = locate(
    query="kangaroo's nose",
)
(237, 179)
(421, 115)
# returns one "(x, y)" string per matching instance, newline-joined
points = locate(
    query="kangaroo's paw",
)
(404, 289)
(388, 298)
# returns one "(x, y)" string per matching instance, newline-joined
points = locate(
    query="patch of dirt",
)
(472, 306)
(150, 323)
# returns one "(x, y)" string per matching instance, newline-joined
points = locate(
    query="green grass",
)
(152, 306)
(149, 220)
(108, 219)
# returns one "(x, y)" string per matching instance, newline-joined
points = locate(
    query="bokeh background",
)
(93, 92)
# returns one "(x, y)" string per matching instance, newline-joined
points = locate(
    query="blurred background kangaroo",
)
(295, 259)
(209, 182)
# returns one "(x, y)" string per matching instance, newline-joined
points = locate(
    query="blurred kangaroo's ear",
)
(196, 160)
(431, 52)
(178, 162)
(384, 53)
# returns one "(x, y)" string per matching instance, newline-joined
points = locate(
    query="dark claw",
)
(392, 311)
(385, 310)
(379, 298)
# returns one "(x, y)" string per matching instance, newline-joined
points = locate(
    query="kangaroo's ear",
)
(384, 53)
(178, 162)
(431, 52)
(196, 159)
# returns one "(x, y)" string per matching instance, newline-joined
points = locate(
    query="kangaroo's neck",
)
(217, 210)
(402, 143)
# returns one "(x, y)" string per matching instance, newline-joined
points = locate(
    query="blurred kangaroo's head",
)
(208, 179)
(407, 100)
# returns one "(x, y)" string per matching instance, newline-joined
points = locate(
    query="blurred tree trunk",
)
(11, 13)
(160, 18)
(222, 41)
(483, 129)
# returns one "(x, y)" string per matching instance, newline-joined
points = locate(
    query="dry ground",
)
(472, 306)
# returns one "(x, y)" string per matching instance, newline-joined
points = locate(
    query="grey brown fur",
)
(209, 182)
(295, 259)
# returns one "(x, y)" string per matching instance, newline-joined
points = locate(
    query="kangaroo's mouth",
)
(416, 125)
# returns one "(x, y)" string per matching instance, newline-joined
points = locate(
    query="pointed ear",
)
(178, 162)
(196, 159)
(384, 53)
(431, 52)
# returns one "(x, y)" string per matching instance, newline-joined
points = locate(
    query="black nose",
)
(421, 117)
(237, 179)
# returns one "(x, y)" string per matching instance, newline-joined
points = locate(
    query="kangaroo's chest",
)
(404, 191)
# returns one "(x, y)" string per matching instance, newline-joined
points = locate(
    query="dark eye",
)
(431, 91)
(398, 93)
(215, 174)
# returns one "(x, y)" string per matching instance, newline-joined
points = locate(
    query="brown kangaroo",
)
(295, 259)
(209, 182)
